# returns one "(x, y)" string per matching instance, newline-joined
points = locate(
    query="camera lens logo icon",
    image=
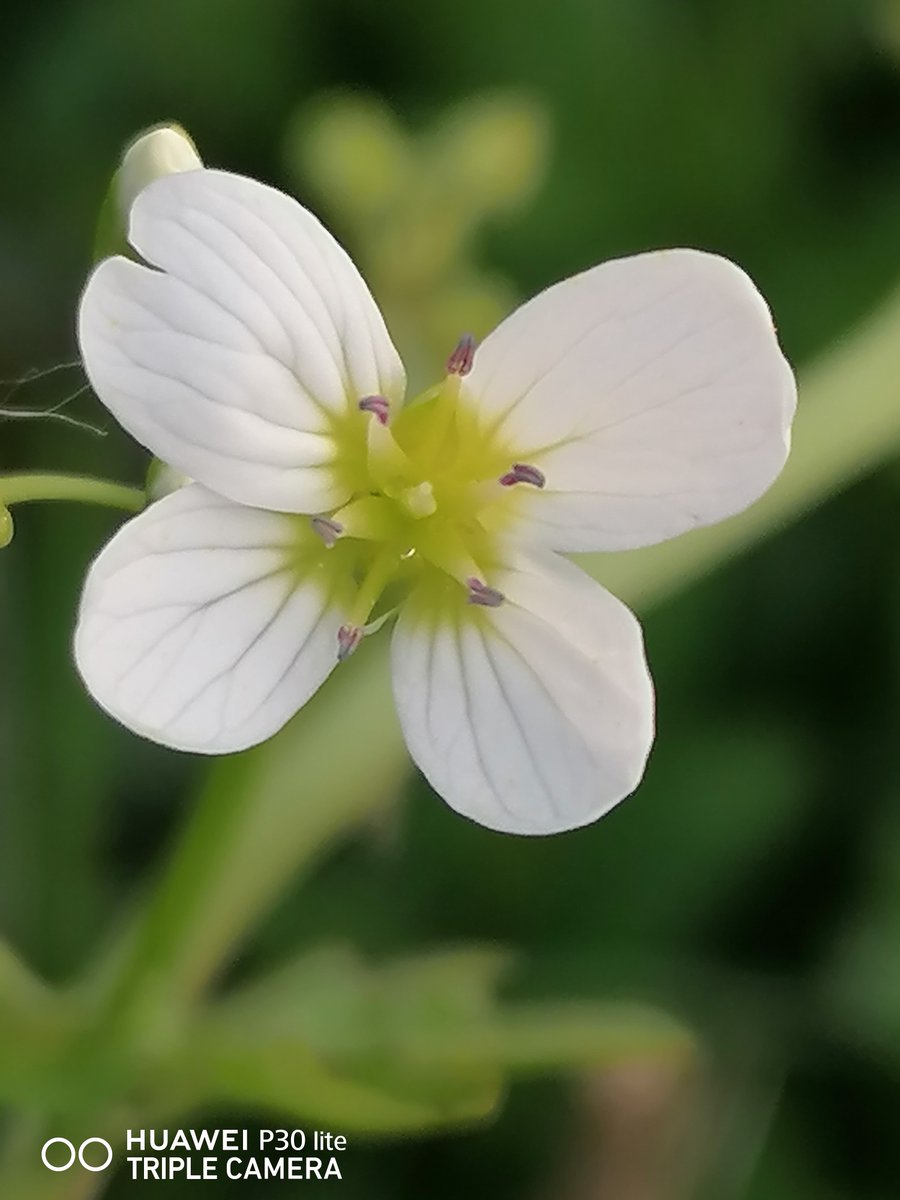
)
(71, 1153)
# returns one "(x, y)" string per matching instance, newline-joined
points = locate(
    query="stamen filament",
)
(369, 518)
(389, 467)
(376, 579)
(441, 426)
(443, 547)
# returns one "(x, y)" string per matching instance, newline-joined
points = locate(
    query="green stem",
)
(263, 817)
(25, 487)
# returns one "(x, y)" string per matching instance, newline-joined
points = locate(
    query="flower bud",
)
(495, 150)
(164, 150)
(353, 152)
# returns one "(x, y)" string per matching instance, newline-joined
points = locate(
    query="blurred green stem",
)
(24, 487)
(263, 817)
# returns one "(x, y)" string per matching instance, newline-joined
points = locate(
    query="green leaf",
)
(358, 1029)
(417, 1044)
(36, 1030)
(281, 1074)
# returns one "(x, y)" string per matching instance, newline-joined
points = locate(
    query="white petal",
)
(652, 393)
(232, 361)
(533, 717)
(203, 626)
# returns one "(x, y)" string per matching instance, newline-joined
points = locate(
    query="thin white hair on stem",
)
(32, 374)
(52, 412)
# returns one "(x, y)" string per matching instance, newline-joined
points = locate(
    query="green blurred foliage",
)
(468, 154)
(412, 207)
(416, 1045)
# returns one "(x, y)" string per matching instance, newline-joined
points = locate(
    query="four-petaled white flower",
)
(621, 407)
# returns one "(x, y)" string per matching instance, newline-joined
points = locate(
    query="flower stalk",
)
(27, 487)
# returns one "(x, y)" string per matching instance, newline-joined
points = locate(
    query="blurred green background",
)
(752, 886)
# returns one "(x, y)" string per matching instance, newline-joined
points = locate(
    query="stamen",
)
(378, 406)
(480, 593)
(523, 473)
(328, 529)
(388, 466)
(349, 637)
(461, 360)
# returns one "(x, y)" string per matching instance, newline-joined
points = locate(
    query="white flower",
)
(624, 406)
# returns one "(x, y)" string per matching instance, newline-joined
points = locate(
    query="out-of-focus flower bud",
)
(494, 150)
(164, 150)
(351, 149)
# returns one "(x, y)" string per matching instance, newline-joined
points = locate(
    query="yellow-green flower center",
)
(430, 495)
